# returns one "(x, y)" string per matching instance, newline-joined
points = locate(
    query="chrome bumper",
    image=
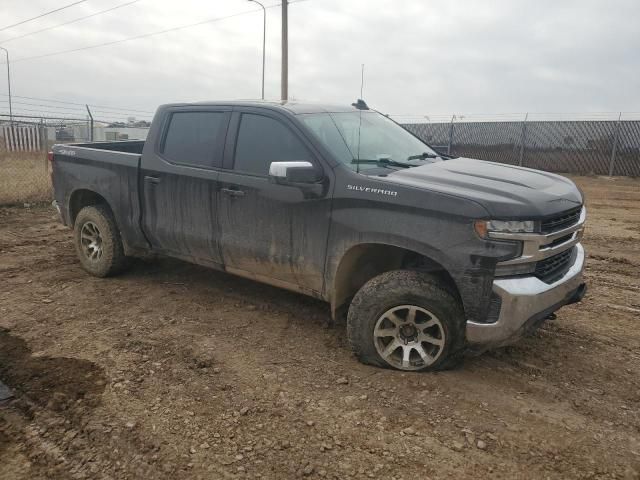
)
(525, 302)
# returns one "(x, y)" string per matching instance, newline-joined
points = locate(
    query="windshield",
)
(382, 142)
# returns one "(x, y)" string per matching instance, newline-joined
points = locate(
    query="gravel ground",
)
(175, 371)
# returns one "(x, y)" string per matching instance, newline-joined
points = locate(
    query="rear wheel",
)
(98, 243)
(406, 320)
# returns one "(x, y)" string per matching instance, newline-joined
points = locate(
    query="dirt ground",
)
(175, 371)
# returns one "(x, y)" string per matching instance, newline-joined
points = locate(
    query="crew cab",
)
(425, 255)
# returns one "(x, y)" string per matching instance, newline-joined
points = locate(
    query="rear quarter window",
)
(192, 138)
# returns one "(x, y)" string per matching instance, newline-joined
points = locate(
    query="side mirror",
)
(293, 173)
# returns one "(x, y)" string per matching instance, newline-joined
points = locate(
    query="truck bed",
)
(108, 169)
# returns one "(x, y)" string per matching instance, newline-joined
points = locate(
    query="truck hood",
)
(505, 191)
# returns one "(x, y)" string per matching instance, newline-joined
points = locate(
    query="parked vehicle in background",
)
(424, 254)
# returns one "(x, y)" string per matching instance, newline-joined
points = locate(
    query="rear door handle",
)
(154, 180)
(232, 192)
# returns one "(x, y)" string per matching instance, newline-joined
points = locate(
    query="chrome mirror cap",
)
(279, 169)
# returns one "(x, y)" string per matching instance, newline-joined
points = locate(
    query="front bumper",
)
(525, 303)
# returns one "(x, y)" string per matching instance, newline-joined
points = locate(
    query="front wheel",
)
(406, 320)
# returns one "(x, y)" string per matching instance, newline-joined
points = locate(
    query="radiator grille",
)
(561, 221)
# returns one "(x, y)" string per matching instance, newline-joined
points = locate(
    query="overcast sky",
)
(421, 56)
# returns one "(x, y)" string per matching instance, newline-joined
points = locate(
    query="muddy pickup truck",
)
(426, 256)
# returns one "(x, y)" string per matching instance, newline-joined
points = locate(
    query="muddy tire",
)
(98, 243)
(406, 320)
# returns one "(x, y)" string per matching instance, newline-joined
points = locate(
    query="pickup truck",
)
(426, 256)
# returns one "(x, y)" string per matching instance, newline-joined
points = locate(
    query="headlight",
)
(483, 227)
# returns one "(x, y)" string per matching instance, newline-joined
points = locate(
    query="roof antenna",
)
(360, 105)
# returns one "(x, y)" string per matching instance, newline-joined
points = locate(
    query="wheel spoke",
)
(393, 318)
(430, 339)
(426, 358)
(411, 316)
(406, 354)
(385, 332)
(392, 347)
(428, 324)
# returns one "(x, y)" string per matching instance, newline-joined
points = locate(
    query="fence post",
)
(42, 134)
(615, 146)
(523, 139)
(43, 144)
(91, 117)
(450, 135)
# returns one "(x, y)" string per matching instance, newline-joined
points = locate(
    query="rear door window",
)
(262, 140)
(193, 138)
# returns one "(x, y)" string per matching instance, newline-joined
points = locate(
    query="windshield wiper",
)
(423, 156)
(383, 162)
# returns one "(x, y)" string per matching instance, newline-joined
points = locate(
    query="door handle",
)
(232, 192)
(154, 180)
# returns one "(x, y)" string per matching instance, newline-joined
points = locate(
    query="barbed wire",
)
(19, 116)
(514, 117)
(49, 100)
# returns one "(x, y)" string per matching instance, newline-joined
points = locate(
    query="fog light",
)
(517, 269)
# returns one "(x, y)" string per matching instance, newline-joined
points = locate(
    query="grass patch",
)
(24, 177)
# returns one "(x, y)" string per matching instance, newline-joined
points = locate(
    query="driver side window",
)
(262, 140)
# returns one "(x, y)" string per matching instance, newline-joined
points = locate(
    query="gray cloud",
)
(422, 57)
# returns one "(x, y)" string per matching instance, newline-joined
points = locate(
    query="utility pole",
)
(264, 39)
(285, 52)
(8, 85)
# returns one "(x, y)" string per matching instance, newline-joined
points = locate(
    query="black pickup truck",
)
(425, 255)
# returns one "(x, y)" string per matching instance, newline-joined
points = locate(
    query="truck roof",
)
(293, 107)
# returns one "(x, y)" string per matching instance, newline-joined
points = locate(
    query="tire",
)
(98, 243)
(381, 313)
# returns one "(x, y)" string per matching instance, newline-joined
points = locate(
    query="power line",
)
(69, 22)
(49, 100)
(145, 35)
(42, 15)
(42, 105)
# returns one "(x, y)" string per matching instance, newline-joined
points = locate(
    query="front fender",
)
(448, 240)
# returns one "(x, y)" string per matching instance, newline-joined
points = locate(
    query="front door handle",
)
(232, 192)
(154, 180)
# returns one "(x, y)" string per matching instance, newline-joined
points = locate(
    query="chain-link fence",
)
(24, 143)
(601, 147)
